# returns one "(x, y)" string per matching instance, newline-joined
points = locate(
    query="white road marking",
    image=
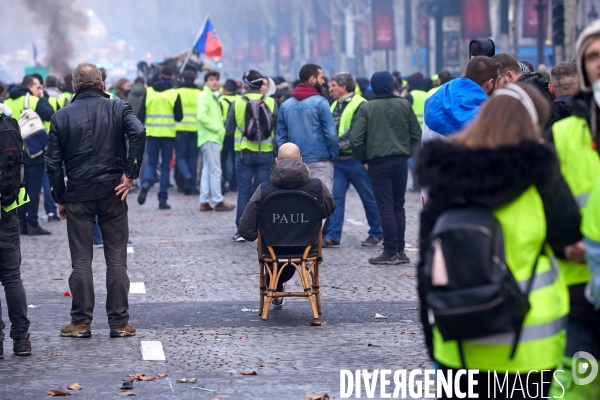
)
(137, 288)
(355, 222)
(153, 351)
(130, 250)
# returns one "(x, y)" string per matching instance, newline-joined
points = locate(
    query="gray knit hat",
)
(586, 37)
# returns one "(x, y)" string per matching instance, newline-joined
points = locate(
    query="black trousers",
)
(112, 219)
(10, 276)
(388, 180)
(34, 174)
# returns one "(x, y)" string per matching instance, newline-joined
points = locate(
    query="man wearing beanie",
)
(305, 120)
(384, 134)
(577, 144)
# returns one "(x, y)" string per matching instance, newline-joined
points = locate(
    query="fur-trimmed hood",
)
(492, 177)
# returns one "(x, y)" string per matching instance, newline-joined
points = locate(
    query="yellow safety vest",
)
(240, 141)
(65, 99)
(432, 91)
(543, 337)
(580, 166)
(22, 198)
(160, 120)
(418, 105)
(189, 104)
(225, 101)
(590, 223)
(18, 105)
(347, 115)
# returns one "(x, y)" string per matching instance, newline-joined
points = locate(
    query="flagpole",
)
(187, 58)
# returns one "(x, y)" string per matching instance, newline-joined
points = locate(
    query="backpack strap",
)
(527, 291)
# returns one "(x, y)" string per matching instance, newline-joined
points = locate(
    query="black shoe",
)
(164, 206)
(22, 347)
(385, 259)
(53, 217)
(188, 186)
(38, 230)
(237, 238)
(142, 195)
(403, 258)
(330, 243)
(371, 241)
(23, 230)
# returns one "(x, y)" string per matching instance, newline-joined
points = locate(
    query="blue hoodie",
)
(453, 106)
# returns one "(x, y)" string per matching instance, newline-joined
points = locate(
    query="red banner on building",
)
(322, 9)
(530, 18)
(475, 16)
(384, 36)
(284, 31)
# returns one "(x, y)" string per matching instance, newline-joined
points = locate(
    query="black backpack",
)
(259, 120)
(11, 157)
(471, 292)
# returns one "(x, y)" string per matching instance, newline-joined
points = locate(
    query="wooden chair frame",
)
(308, 271)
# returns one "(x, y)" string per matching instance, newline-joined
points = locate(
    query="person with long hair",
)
(500, 163)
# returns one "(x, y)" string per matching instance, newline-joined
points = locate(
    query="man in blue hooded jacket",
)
(457, 102)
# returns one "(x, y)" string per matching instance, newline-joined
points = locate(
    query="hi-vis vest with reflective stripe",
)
(347, 115)
(590, 224)
(53, 101)
(18, 105)
(543, 337)
(23, 198)
(160, 120)
(580, 166)
(418, 105)
(241, 142)
(225, 101)
(189, 104)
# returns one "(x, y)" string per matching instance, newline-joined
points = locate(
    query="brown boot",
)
(224, 206)
(124, 331)
(76, 330)
(205, 207)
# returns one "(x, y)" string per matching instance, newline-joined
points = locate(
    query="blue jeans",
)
(97, 233)
(186, 152)
(346, 172)
(210, 181)
(49, 204)
(154, 147)
(28, 213)
(247, 165)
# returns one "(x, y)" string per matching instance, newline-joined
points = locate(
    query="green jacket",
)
(210, 120)
(384, 127)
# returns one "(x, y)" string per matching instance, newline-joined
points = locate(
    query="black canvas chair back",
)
(289, 219)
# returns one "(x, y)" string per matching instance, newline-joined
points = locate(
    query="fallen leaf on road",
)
(317, 323)
(127, 394)
(160, 376)
(209, 332)
(142, 377)
(55, 354)
(413, 309)
(186, 380)
(316, 397)
(74, 386)
(379, 316)
(249, 372)
(57, 393)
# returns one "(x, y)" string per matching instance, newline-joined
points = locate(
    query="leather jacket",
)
(90, 138)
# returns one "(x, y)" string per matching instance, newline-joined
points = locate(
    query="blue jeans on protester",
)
(247, 165)
(210, 181)
(154, 147)
(346, 172)
(186, 151)
(28, 213)
(49, 204)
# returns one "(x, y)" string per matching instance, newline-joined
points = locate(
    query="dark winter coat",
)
(492, 177)
(136, 96)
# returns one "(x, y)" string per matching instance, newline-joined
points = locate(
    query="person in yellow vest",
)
(10, 248)
(211, 133)
(576, 141)
(160, 110)
(34, 170)
(229, 96)
(53, 94)
(517, 179)
(441, 79)
(254, 155)
(186, 142)
(347, 170)
(67, 93)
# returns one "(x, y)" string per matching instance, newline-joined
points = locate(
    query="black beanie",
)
(382, 82)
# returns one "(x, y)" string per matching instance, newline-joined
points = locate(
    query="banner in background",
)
(322, 9)
(284, 31)
(530, 18)
(475, 15)
(384, 36)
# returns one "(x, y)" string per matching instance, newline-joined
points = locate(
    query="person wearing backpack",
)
(228, 97)
(12, 196)
(251, 122)
(491, 295)
(211, 133)
(186, 142)
(30, 92)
